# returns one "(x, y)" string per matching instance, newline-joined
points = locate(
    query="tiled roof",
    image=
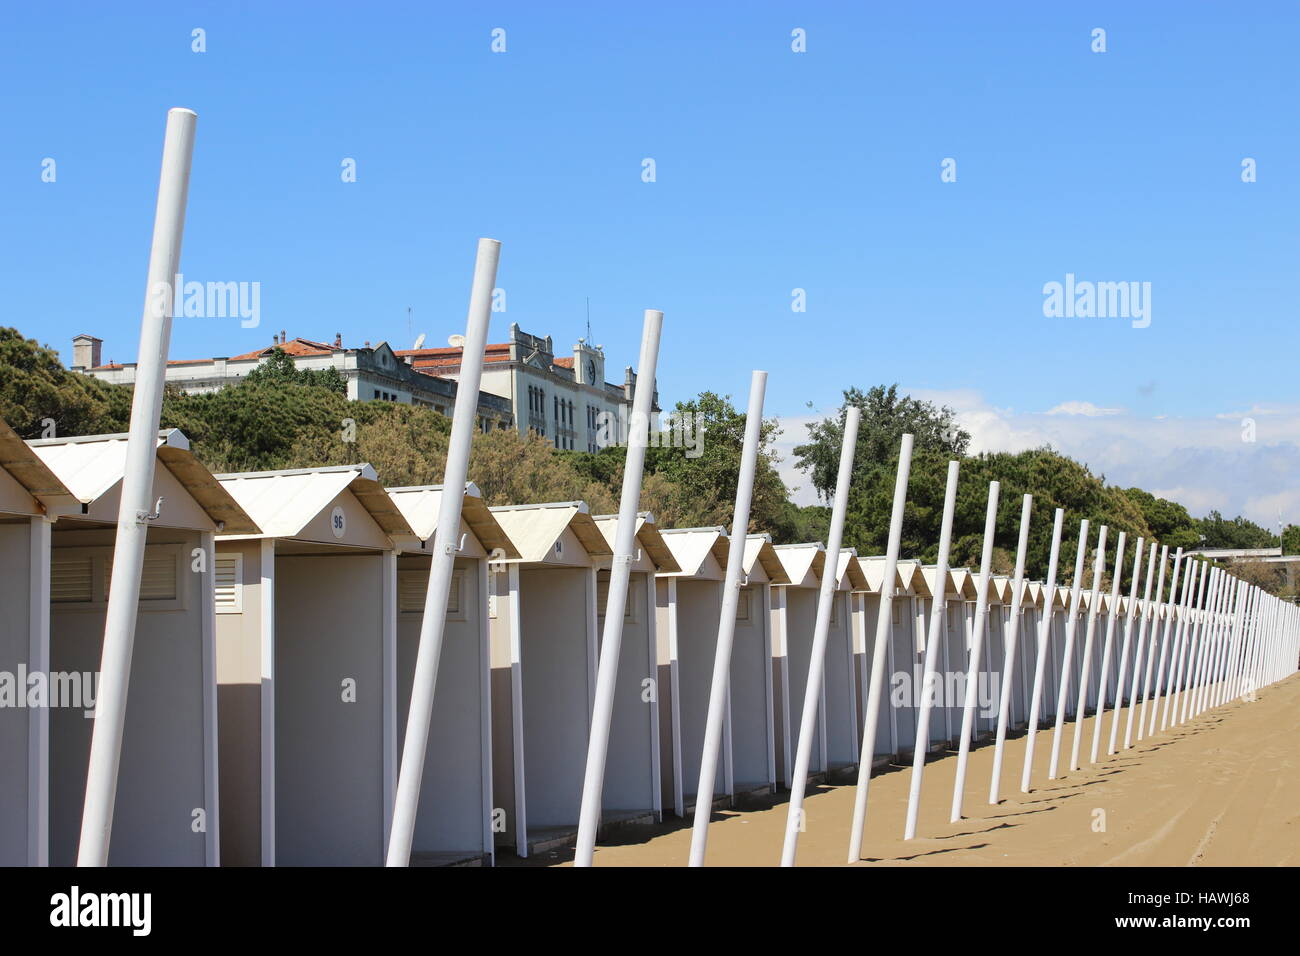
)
(298, 346)
(563, 362)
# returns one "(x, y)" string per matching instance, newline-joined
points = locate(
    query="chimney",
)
(283, 336)
(338, 340)
(86, 351)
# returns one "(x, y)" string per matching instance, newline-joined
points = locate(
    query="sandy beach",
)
(1219, 790)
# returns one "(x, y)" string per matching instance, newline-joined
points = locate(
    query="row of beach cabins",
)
(279, 618)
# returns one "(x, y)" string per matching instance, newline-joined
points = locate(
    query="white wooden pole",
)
(1103, 678)
(593, 784)
(1232, 642)
(1194, 640)
(976, 649)
(1157, 676)
(136, 507)
(1009, 653)
(1226, 686)
(1044, 639)
(406, 802)
(1071, 622)
(1183, 621)
(1226, 646)
(727, 620)
(935, 631)
(1205, 641)
(1183, 635)
(1129, 617)
(1214, 651)
(1139, 658)
(1094, 605)
(884, 621)
(1214, 647)
(794, 823)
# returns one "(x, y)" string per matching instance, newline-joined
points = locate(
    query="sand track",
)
(1218, 790)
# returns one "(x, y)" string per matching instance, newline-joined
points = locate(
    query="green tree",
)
(34, 387)
(886, 417)
(1220, 532)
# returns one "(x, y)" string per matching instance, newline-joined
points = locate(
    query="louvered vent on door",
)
(228, 579)
(72, 579)
(413, 586)
(157, 578)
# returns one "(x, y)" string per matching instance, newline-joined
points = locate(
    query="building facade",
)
(371, 373)
(564, 399)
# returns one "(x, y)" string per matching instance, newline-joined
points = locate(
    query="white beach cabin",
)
(794, 616)
(306, 658)
(544, 645)
(688, 604)
(633, 764)
(454, 823)
(31, 499)
(167, 807)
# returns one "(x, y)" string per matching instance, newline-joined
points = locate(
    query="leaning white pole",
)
(929, 674)
(593, 783)
(884, 618)
(1164, 648)
(1066, 658)
(406, 802)
(1085, 672)
(1103, 678)
(727, 620)
(1009, 657)
(135, 509)
(821, 629)
(1040, 663)
(1131, 613)
(976, 648)
(1139, 651)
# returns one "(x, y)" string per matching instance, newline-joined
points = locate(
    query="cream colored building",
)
(561, 398)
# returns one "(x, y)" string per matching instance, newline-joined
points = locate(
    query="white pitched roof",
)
(534, 529)
(283, 503)
(803, 563)
(648, 537)
(692, 546)
(758, 549)
(90, 466)
(33, 476)
(420, 506)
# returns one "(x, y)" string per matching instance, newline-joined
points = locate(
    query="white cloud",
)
(1083, 408)
(1202, 463)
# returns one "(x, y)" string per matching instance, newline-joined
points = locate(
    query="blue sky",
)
(775, 170)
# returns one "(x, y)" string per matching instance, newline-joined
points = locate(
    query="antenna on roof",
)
(409, 327)
(456, 341)
(419, 341)
(588, 318)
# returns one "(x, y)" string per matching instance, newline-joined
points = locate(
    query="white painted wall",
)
(239, 713)
(162, 774)
(555, 668)
(751, 696)
(630, 782)
(329, 766)
(841, 697)
(699, 604)
(452, 792)
(15, 582)
(801, 618)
